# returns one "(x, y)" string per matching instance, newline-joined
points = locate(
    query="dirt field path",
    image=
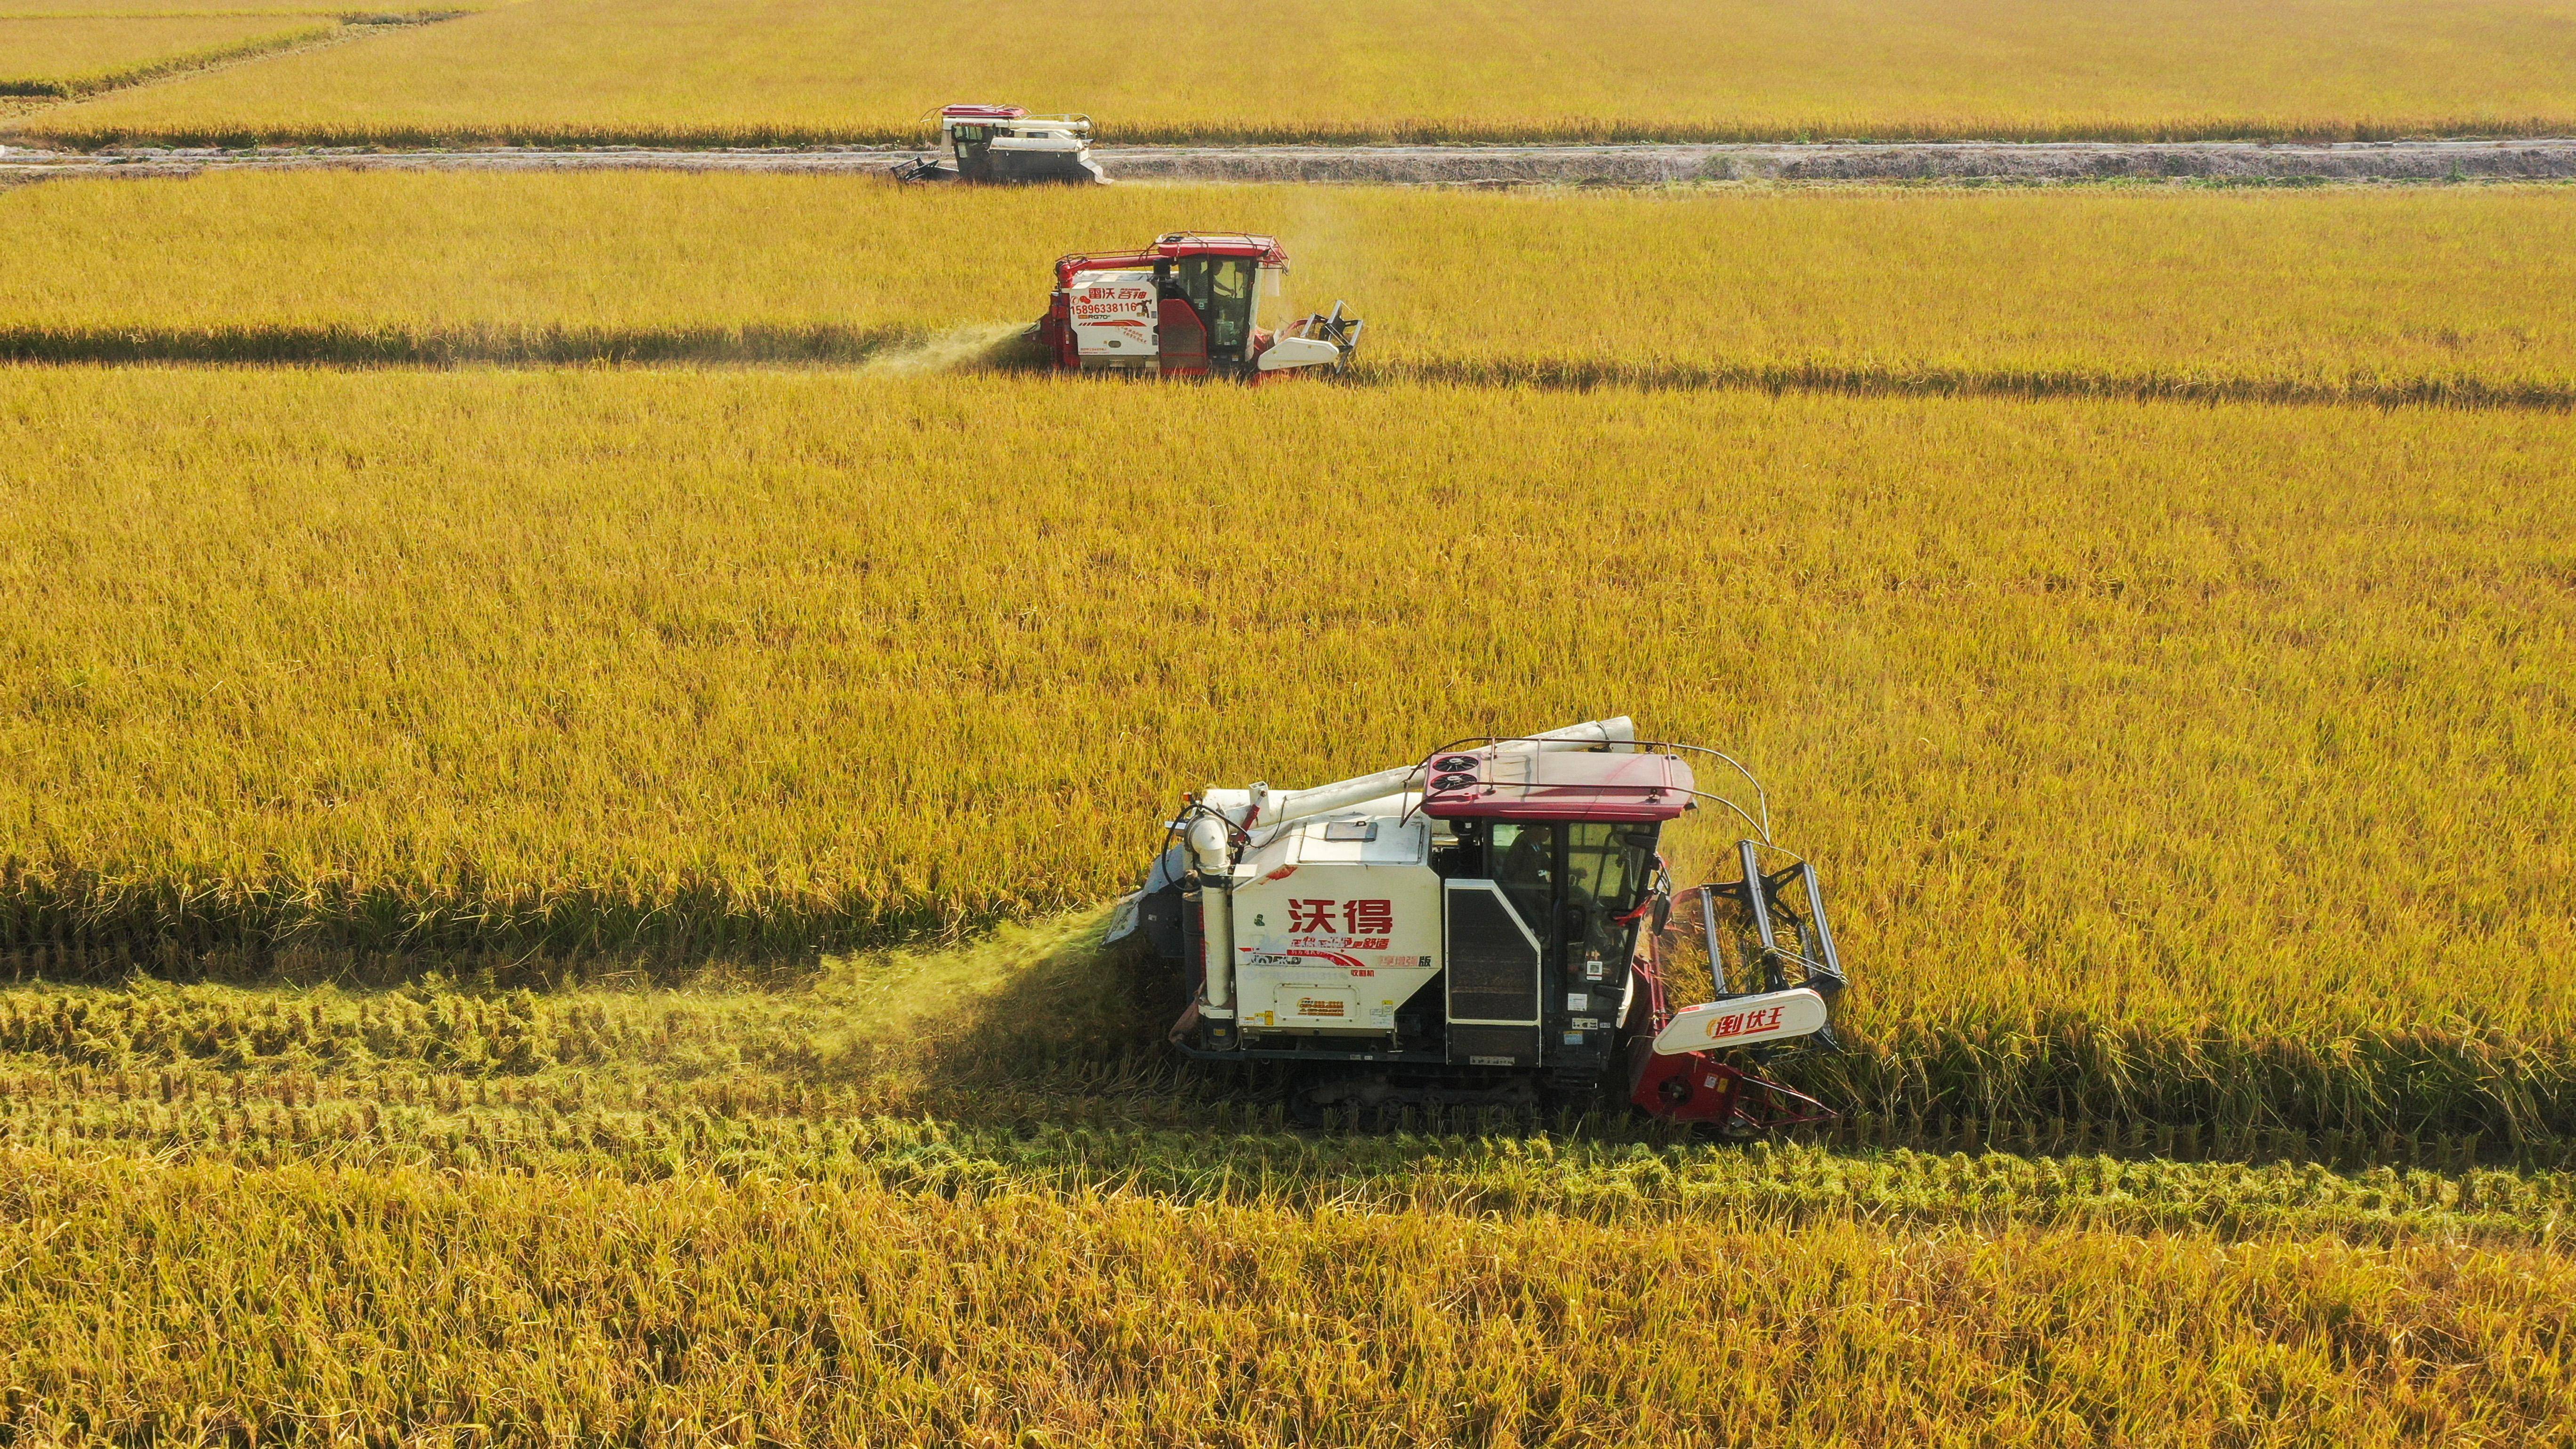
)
(1644, 165)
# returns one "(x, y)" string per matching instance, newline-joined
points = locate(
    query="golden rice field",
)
(2379, 295)
(71, 54)
(766, 71)
(487, 1307)
(545, 900)
(2170, 763)
(943, 1196)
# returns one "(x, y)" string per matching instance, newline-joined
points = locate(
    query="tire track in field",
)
(1879, 380)
(995, 347)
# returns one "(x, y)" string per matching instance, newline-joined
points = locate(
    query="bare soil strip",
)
(1858, 161)
(2262, 163)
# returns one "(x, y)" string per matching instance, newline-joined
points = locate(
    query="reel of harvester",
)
(1335, 327)
(1700, 1062)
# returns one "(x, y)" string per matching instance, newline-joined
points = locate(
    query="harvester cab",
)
(1005, 144)
(1187, 306)
(1491, 925)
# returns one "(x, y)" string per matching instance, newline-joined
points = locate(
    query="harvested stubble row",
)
(595, 1210)
(573, 1124)
(770, 71)
(1031, 1027)
(837, 1311)
(2372, 296)
(2169, 763)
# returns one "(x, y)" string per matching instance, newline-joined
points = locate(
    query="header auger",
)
(1490, 925)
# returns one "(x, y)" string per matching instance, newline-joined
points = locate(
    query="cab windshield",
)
(1222, 289)
(1607, 871)
(1581, 876)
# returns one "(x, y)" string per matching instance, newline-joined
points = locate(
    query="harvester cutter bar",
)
(1337, 328)
(1761, 896)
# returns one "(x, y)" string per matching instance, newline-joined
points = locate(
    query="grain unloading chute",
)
(1005, 144)
(1187, 306)
(1489, 925)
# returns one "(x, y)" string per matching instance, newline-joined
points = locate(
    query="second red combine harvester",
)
(1187, 306)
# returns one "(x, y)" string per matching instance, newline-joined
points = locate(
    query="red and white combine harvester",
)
(1187, 306)
(1005, 145)
(1489, 925)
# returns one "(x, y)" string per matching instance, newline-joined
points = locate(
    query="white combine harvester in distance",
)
(1488, 925)
(1007, 145)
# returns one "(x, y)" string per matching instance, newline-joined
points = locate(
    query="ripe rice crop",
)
(2168, 764)
(600, 1207)
(2381, 296)
(772, 71)
(514, 1309)
(1601, 1168)
(75, 55)
(1028, 1060)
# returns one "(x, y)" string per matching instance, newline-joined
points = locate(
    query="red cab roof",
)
(983, 113)
(1175, 244)
(1220, 244)
(1555, 785)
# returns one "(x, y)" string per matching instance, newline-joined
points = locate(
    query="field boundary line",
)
(1876, 380)
(2420, 162)
(345, 15)
(335, 27)
(76, 87)
(1398, 134)
(357, 346)
(367, 347)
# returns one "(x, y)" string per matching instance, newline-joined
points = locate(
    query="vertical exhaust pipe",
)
(1215, 871)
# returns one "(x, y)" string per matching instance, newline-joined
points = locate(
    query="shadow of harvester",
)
(1028, 1015)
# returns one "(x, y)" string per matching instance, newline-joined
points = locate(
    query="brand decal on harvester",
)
(1342, 925)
